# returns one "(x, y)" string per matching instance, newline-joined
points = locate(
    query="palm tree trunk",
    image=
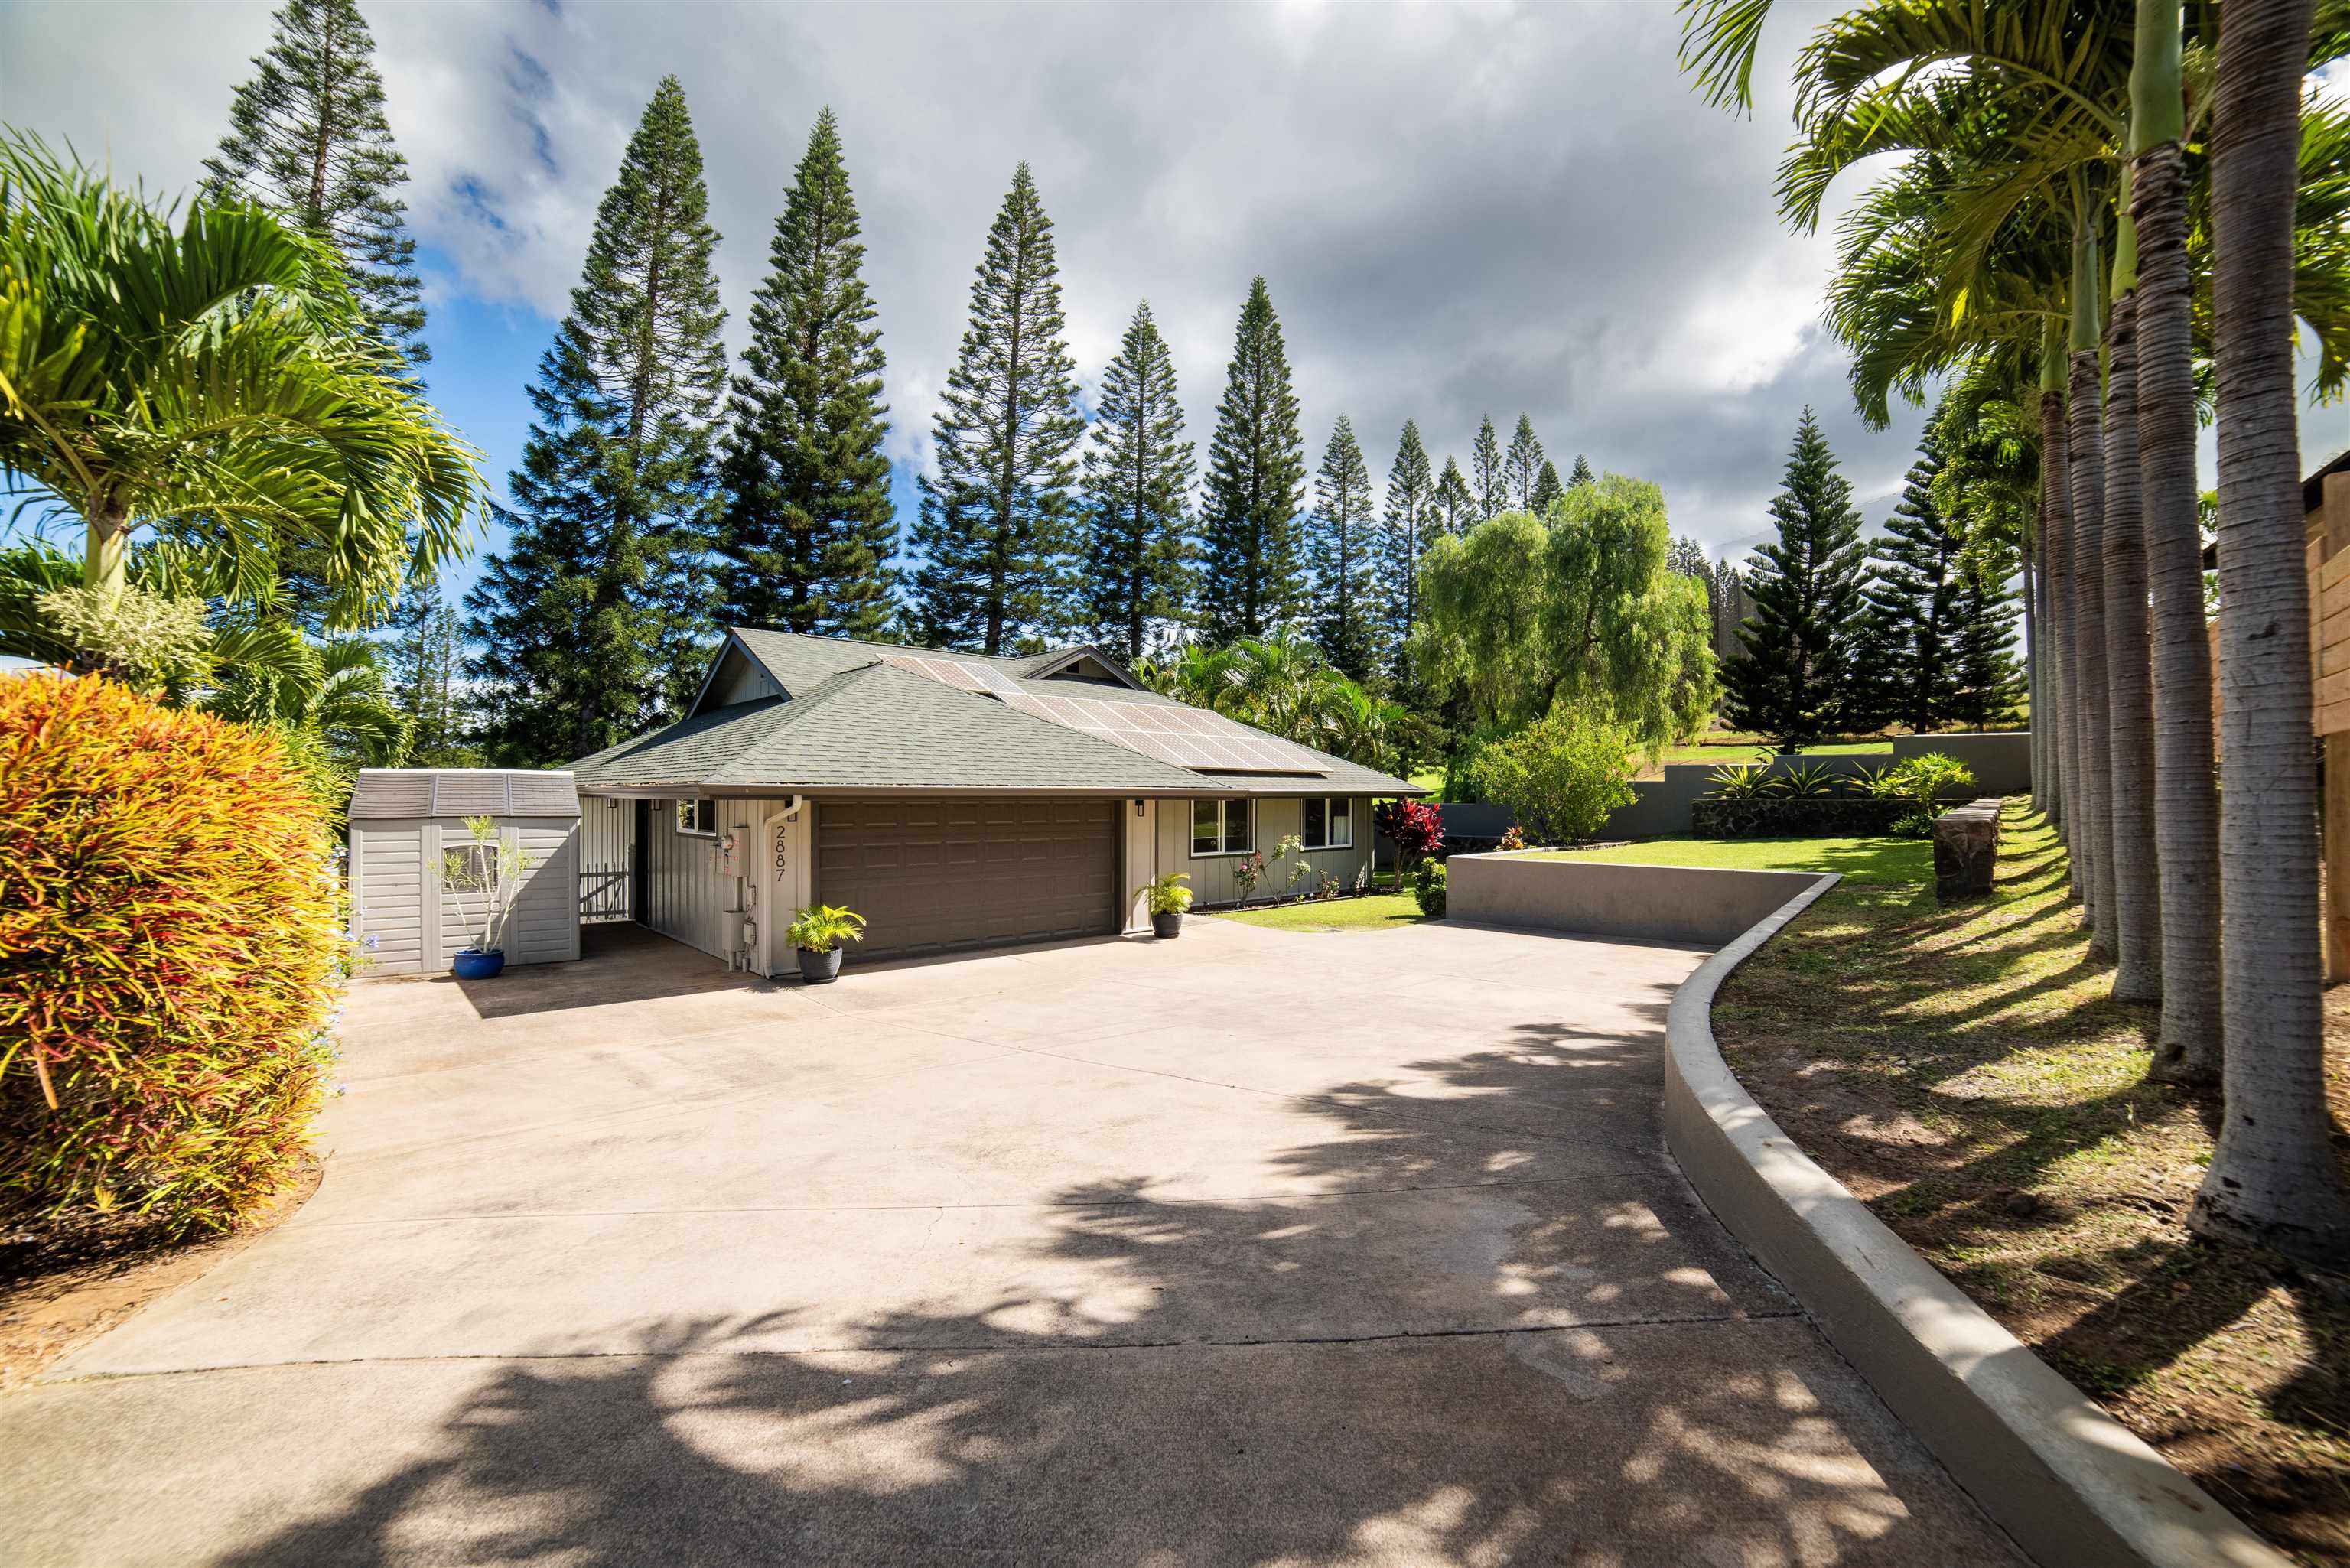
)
(2032, 674)
(2186, 805)
(2091, 713)
(2272, 1179)
(2046, 710)
(2129, 776)
(2056, 517)
(105, 560)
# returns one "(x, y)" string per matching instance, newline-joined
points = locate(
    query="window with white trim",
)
(1329, 822)
(698, 817)
(1221, 827)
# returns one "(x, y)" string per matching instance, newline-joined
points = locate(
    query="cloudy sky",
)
(1459, 208)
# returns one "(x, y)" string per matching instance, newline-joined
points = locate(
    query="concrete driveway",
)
(1256, 1248)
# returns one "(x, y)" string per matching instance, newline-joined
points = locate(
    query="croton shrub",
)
(171, 954)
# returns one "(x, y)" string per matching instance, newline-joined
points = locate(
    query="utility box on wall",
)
(403, 820)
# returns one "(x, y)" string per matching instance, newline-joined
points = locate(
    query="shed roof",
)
(381, 793)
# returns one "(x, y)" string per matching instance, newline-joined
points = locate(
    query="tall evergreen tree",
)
(996, 535)
(1547, 489)
(588, 626)
(1912, 615)
(307, 140)
(1455, 503)
(1416, 516)
(424, 655)
(1342, 554)
(1140, 557)
(1794, 686)
(1522, 465)
(809, 526)
(1581, 473)
(1250, 585)
(1487, 472)
(1987, 679)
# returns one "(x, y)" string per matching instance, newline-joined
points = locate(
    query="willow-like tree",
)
(1522, 465)
(808, 526)
(1455, 503)
(1342, 554)
(1251, 582)
(1796, 684)
(995, 538)
(1140, 555)
(1523, 615)
(1487, 473)
(2273, 1179)
(308, 140)
(589, 625)
(1417, 516)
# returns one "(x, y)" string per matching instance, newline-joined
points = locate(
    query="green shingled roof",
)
(847, 720)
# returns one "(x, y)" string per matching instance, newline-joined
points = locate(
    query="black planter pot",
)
(819, 969)
(1168, 923)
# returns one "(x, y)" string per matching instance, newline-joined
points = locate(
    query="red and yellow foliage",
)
(169, 958)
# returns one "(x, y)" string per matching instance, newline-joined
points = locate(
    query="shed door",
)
(929, 876)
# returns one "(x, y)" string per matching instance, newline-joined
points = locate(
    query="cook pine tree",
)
(996, 532)
(808, 528)
(1547, 489)
(1581, 473)
(1454, 502)
(1908, 641)
(589, 627)
(1141, 560)
(1522, 465)
(308, 140)
(1487, 473)
(1415, 515)
(1987, 683)
(1795, 685)
(423, 653)
(1343, 555)
(1251, 584)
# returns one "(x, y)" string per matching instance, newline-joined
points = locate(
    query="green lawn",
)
(1862, 860)
(1374, 912)
(1433, 781)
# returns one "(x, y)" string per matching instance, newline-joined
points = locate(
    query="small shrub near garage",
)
(169, 958)
(1428, 888)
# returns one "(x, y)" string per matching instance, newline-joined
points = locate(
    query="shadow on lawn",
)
(1000, 1432)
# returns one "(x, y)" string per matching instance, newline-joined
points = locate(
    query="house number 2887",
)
(783, 851)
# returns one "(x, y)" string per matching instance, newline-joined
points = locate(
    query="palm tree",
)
(2137, 926)
(2186, 804)
(216, 384)
(2272, 1180)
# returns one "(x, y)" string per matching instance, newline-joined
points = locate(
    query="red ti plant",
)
(1414, 828)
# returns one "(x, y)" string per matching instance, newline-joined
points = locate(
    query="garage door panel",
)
(934, 877)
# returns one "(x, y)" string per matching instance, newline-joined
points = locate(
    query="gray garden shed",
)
(403, 820)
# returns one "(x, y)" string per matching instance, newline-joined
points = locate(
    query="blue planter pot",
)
(471, 963)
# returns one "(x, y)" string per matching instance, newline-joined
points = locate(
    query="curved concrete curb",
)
(2071, 1484)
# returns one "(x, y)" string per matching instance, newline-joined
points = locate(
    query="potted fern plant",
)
(817, 933)
(488, 869)
(1169, 898)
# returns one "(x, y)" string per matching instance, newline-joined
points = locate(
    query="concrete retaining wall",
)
(2074, 1486)
(2001, 763)
(2001, 760)
(1638, 903)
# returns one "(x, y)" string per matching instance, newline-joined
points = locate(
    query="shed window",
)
(1329, 822)
(1221, 826)
(698, 817)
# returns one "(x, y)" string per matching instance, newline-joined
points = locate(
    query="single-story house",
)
(954, 800)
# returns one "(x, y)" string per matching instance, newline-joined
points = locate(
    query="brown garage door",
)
(932, 875)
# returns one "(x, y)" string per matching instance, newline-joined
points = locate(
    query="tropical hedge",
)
(170, 959)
